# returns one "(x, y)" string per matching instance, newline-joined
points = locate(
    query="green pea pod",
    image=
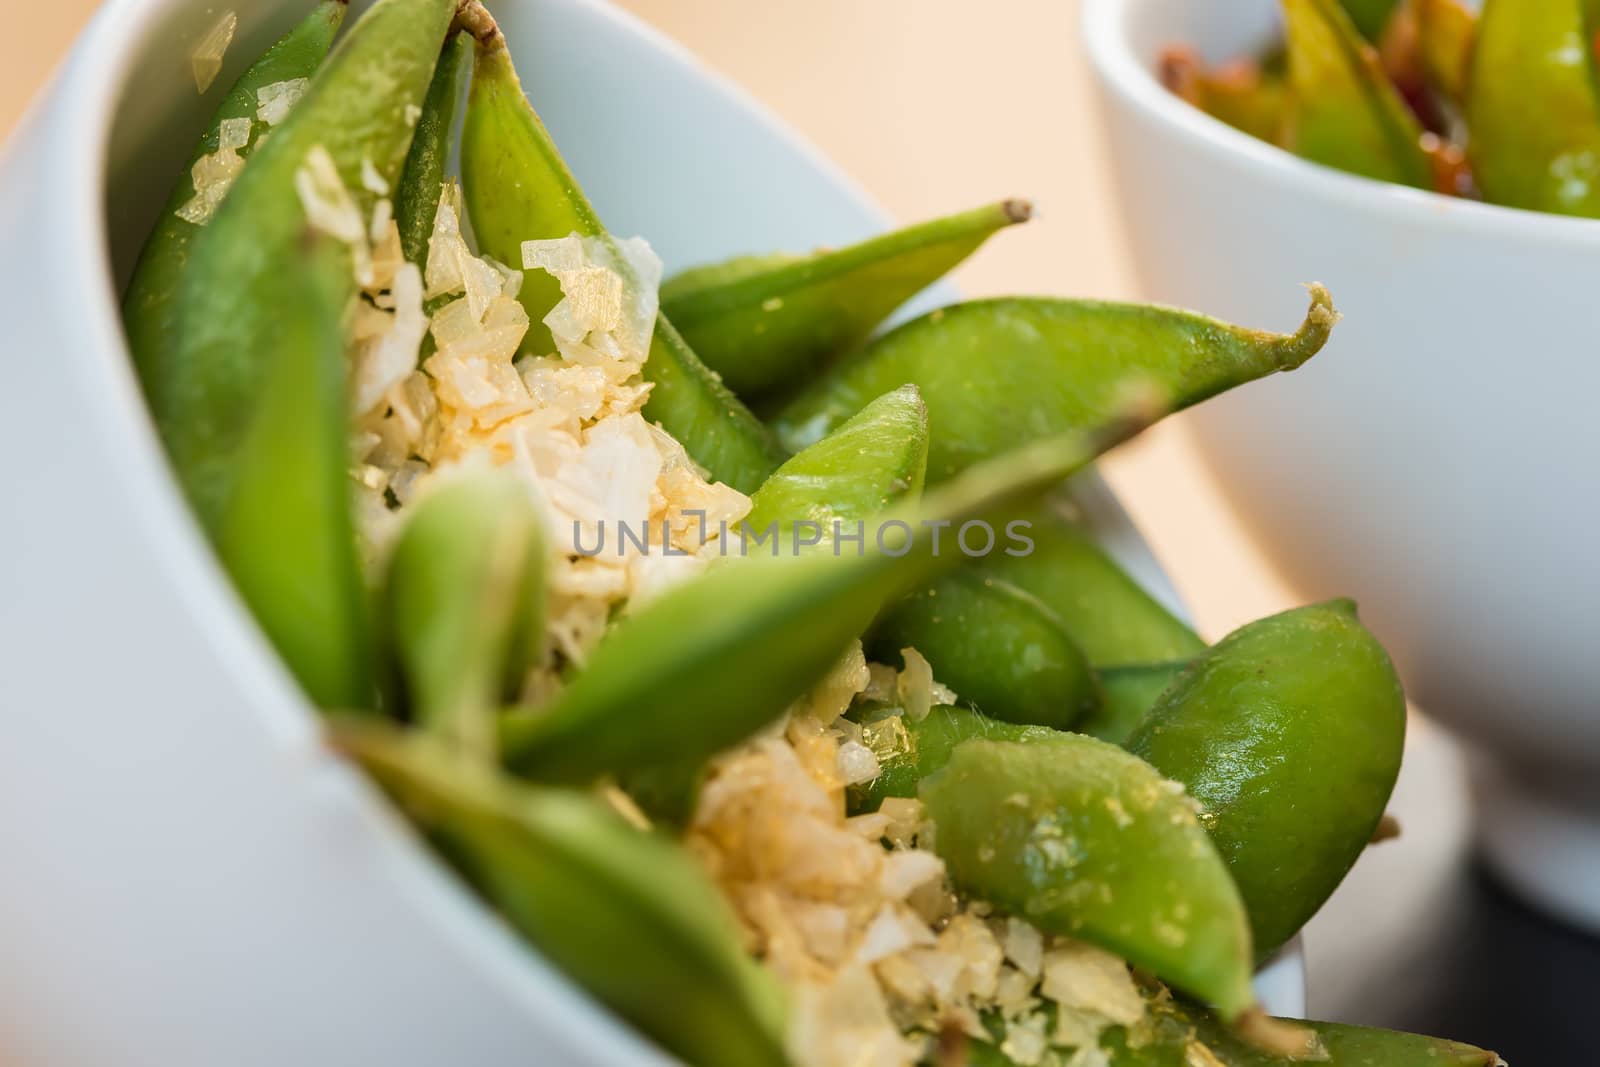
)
(1179, 1035)
(765, 323)
(995, 373)
(518, 188)
(627, 915)
(712, 661)
(1289, 732)
(416, 199)
(874, 459)
(1445, 34)
(911, 750)
(1082, 839)
(287, 534)
(464, 599)
(1130, 692)
(1370, 17)
(1533, 107)
(1105, 612)
(226, 325)
(1000, 648)
(148, 310)
(1344, 111)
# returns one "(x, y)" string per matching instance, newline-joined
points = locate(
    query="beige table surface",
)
(936, 105)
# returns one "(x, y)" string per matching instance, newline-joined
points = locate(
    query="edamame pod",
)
(1445, 34)
(464, 601)
(1240, 94)
(148, 309)
(1082, 839)
(1344, 112)
(518, 188)
(997, 372)
(921, 748)
(1533, 107)
(227, 328)
(1289, 732)
(1130, 692)
(1106, 613)
(1370, 17)
(625, 914)
(715, 659)
(765, 323)
(999, 647)
(874, 459)
(287, 534)
(1179, 1035)
(416, 199)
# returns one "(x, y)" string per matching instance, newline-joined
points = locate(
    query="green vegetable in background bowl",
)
(547, 573)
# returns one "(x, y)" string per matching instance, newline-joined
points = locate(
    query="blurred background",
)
(933, 106)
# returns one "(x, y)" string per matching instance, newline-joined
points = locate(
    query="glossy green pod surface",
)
(1181, 1035)
(1533, 106)
(416, 199)
(464, 600)
(1106, 612)
(625, 914)
(287, 533)
(995, 373)
(517, 189)
(1289, 733)
(715, 659)
(927, 747)
(1001, 649)
(1370, 17)
(148, 310)
(1344, 111)
(766, 322)
(1082, 839)
(227, 324)
(1130, 692)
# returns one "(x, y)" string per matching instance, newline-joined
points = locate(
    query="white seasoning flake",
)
(275, 101)
(326, 201)
(213, 176)
(234, 134)
(413, 114)
(207, 55)
(371, 180)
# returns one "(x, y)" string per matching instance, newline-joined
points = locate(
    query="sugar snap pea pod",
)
(1107, 613)
(1445, 34)
(287, 534)
(148, 306)
(518, 188)
(712, 661)
(625, 914)
(766, 323)
(1533, 107)
(997, 372)
(1176, 1034)
(1130, 692)
(226, 329)
(416, 199)
(1289, 732)
(1082, 839)
(464, 600)
(1001, 648)
(1344, 112)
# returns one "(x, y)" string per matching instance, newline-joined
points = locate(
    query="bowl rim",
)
(87, 87)
(1121, 70)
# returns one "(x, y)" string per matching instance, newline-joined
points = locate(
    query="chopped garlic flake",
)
(275, 101)
(207, 56)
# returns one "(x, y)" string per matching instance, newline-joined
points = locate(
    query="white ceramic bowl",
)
(1440, 460)
(188, 877)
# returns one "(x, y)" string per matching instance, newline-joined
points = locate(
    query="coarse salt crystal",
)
(207, 56)
(275, 101)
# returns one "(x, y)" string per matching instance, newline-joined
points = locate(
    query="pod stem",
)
(1294, 349)
(475, 19)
